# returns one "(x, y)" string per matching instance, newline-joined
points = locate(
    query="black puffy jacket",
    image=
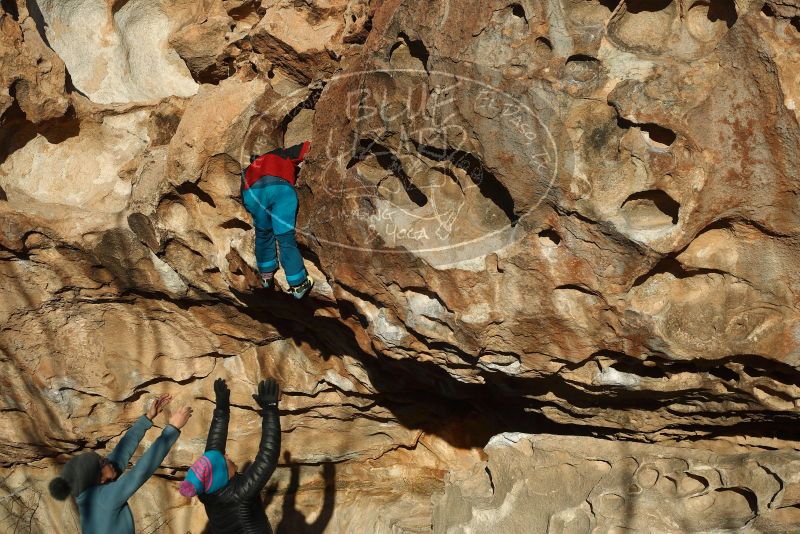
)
(237, 508)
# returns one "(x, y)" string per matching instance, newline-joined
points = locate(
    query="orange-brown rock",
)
(577, 219)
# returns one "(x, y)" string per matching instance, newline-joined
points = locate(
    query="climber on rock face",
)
(268, 194)
(100, 487)
(233, 500)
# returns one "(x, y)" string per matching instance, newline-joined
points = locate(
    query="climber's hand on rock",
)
(179, 418)
(157, 406)
(267, 394)
(223, 393)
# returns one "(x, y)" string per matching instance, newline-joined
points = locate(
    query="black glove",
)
(267, 394)
(223, 394)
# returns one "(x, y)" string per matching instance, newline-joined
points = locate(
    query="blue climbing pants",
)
(272, 202)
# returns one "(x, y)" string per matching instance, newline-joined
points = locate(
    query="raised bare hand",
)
(157, 406)
(180, 417)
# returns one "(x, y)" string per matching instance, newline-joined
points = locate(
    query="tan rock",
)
(575, 218)
(548, 483)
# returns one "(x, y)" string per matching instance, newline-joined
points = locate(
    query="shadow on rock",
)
(293, 520)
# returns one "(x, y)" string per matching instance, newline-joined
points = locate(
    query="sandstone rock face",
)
(582, 484)
(572, 218)
(117, 51)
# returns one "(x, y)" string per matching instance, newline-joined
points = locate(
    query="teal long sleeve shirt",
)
(104, 509)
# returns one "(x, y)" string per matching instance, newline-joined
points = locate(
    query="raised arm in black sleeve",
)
(256, 476)
(218, 432)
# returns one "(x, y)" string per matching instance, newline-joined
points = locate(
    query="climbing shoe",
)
(267, 280)
(300, 291)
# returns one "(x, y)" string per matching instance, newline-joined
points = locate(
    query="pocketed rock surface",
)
(555, 247)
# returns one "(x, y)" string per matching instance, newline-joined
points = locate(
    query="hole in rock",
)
(543, 43)
(245, 10)
(18, 130)
(754, 372)
(581, 67)
(491, 480)
(624, 123)
(722, 10)
(672, 266)
(720, 224)
(651, 208)
(518, 11)
(10, 7)
(611, 5)
(659, 134)
(576, 287)
(644, 25)
(230, 224)
(549, 237)
(488, 184)
(213, 74)
(191, 188)
(783, 373)
(707, 21)
(117, 5)
(391, 163)
(418, 49)
(3, 196)
(657, 367)
(655, 133)
(796, 23)
(724, 373)
(667, 265)
(652, 6)
(582, 58)
(636, 367)
(415, 48)
(767, 11)
(59, 130)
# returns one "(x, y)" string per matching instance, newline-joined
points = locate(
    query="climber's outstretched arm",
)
(297, 153)
(259, 472)
(218, 432)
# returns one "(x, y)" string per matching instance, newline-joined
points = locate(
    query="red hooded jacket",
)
(281, 162)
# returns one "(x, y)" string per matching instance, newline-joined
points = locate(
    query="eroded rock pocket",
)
(707, 21)
(650, 209)
(409, 53)
(644, 25)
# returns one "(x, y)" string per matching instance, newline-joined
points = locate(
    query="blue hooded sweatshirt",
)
(104, 508)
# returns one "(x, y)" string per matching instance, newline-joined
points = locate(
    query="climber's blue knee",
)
(291, 260)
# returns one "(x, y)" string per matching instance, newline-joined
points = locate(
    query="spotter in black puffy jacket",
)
(237, 508)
